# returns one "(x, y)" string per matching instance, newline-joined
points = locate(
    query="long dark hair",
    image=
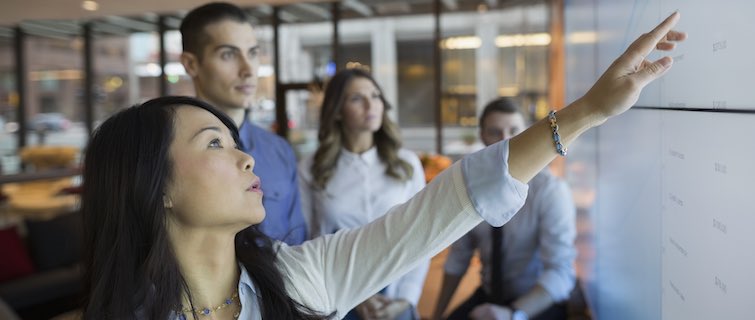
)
(130, 268)
(331, 135)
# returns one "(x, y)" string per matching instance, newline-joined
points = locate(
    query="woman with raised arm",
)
(168, 199)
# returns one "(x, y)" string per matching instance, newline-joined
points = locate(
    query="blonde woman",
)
(358, 172)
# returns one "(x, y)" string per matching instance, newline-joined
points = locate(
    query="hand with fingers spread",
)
(614, 93)
(621, 84)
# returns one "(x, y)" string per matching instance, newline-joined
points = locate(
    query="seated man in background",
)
(527, 265)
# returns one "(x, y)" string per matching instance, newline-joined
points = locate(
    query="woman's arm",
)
(409, 287)
(336, 272)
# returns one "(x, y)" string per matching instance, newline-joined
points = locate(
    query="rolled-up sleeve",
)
(487, 178)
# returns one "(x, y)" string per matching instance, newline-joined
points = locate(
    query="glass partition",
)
(8, 106)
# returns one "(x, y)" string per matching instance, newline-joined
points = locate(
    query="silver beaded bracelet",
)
(556, 138)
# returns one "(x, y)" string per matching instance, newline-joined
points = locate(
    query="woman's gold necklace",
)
(207, 311)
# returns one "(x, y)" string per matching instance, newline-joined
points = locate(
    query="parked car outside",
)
(53, 121)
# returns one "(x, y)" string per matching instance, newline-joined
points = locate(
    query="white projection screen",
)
(666, 196)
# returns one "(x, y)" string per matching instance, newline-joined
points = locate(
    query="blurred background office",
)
(488, 49)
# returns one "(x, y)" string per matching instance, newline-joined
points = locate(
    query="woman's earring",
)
(167, 203)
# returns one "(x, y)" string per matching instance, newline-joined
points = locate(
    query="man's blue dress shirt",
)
(275, 164)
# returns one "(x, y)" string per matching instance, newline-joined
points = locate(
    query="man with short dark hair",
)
(221, 54)
(527, 265)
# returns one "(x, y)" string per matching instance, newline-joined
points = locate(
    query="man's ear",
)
(191, 63)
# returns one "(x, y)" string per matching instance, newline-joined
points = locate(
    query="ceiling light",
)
(468, 42)
(90, 5)
(523, 40)
(582, 37)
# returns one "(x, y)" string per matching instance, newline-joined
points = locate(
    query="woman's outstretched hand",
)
(614, 93)
(620, 86)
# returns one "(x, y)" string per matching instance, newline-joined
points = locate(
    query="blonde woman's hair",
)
(331, 134)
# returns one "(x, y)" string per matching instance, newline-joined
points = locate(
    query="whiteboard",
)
(708, 216)
(713, 68)
(672, 221)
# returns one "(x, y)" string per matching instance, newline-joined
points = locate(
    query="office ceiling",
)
(14, 11)
(65, 18)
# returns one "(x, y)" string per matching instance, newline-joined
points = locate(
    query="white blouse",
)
(358, 193)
